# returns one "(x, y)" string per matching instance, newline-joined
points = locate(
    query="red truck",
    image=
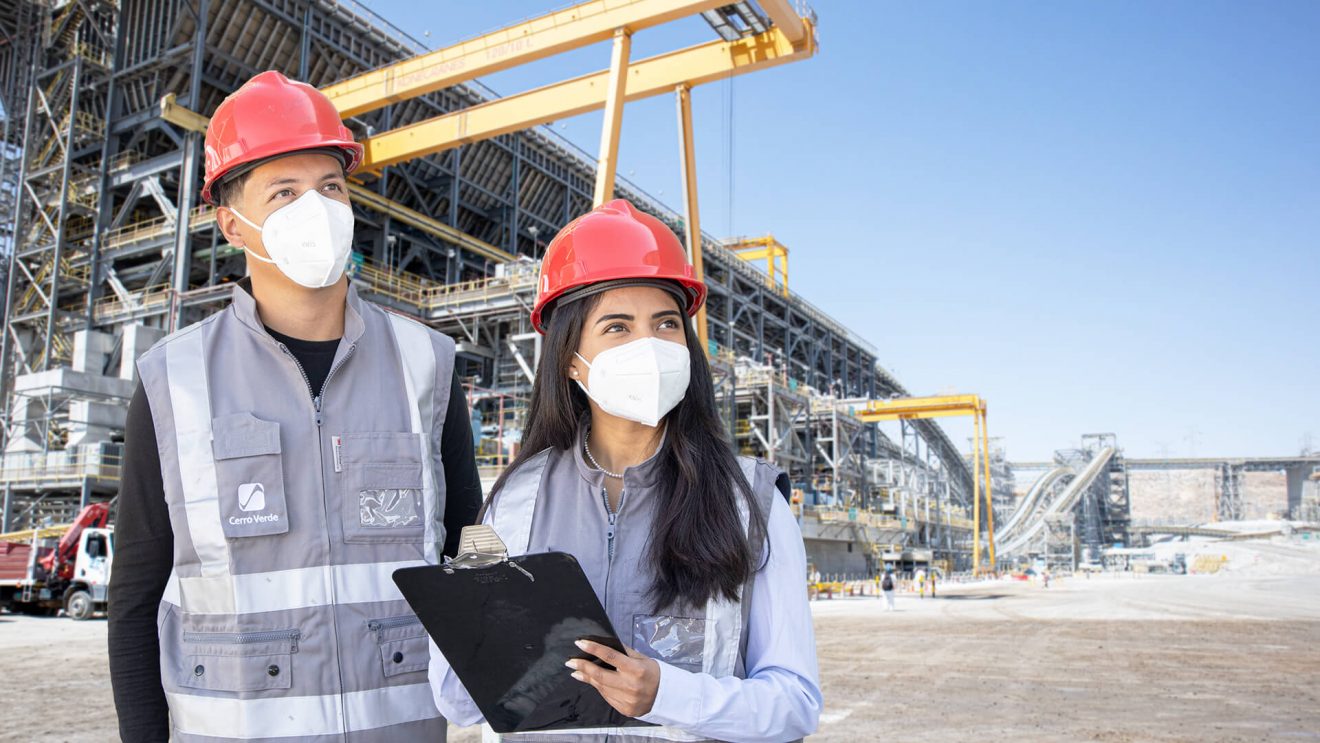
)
(42, 573)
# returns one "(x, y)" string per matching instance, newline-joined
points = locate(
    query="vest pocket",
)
(238, 661)
(249, 476)
(678, 641)
(403, 644)
(382, 479)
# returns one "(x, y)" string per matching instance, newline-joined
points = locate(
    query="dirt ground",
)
(1109, 659)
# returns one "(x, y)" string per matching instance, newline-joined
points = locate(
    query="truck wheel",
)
(78, 605)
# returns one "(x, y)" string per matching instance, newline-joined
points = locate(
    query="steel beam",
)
(60, 237)
(660, 74)
(397, 211)
(785, 18)
(608, 159)
(559, 31)
(691, 211)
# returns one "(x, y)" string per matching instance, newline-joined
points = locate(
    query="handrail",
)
(81, 466)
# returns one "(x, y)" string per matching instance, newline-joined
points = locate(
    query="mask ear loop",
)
(585, 391)
(254, 226)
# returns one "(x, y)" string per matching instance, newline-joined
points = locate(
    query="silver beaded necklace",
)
(587, 445)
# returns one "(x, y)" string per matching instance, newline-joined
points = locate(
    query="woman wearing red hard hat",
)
(625, 464)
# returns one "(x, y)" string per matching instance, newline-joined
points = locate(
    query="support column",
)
(5, 518)
(304, 45)
(989, 489)
(691, 213)
(53, 310)
(516, 187)
(609, 131)
(192, 144)
(976, 496)
(7, 335)
(105, 204)
(454, 263)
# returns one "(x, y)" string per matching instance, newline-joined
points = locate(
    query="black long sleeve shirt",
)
(144, 541)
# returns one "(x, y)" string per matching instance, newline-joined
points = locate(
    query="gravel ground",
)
(1214, 658)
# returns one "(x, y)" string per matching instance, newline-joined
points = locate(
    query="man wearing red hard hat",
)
(282, 458)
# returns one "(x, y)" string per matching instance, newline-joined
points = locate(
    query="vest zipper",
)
(325, 505)
(613, 517)
(317, 396)
(245, 638)
(378, 625)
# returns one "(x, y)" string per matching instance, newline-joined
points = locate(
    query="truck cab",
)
(48, 571)
(87, 591)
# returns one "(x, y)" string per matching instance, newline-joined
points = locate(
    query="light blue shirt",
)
(780, 699)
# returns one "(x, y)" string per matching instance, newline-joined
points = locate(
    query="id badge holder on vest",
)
(508, 625)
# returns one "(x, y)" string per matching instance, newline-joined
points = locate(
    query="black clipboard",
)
(507, 629)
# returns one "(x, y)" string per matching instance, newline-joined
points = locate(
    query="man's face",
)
(271, 186)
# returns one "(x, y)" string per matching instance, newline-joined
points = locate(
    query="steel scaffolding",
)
(109, 248)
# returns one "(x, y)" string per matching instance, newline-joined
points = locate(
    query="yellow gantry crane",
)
(768, 249)
(911, 408)
(790, 37)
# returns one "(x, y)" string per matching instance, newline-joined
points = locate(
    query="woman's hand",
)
(631, 688)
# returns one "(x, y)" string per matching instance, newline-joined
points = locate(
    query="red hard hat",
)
(614, 241)
(273, 115)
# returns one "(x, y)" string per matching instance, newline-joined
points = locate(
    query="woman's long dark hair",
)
(698, 549)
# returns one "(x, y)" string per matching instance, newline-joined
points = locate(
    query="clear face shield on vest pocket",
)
(249, 476)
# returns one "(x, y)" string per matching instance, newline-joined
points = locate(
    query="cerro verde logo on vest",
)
(252, 497)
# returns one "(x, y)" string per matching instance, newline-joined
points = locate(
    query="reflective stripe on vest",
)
(513, 516)
(418, 362)
(301, 716)
(279, 590)
(212, 592)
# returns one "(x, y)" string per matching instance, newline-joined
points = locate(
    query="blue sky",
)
(1102, 217)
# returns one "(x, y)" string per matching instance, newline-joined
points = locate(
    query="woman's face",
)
(624, 315)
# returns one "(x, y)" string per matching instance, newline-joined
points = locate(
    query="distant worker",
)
(921, 584)
(625, 464)
(887, 588)
(282, 458)
(1045, 577)
(931, 580)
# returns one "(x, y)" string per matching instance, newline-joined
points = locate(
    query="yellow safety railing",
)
(138, 231)
(201, 216)
(111, 308)
(125, 159)
(28, 535)
(78, 467)
(90, 123)
(87, 52)
(438, 296)
(52, 142)
(866, 518)
(399, 285)
(68, 273)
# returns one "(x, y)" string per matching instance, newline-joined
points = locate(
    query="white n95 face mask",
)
(308, 239)
(641, 381)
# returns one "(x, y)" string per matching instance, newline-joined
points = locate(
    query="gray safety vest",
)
(709, 639)
(280, 619)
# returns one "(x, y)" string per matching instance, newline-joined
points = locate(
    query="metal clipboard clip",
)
(480, 547)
